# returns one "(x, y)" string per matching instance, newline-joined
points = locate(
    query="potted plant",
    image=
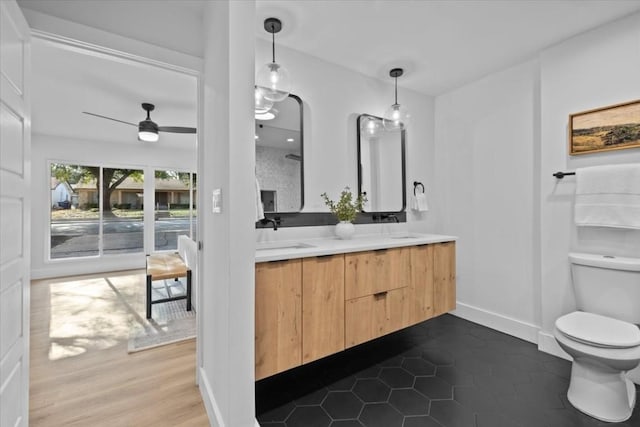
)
(346, 210)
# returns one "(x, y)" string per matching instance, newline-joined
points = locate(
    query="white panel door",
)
(15, 171)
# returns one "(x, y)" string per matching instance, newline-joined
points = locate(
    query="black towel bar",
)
(561, 175)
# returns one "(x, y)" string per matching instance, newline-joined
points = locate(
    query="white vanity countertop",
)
(303, 248)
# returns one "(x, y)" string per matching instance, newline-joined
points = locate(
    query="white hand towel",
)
(419, 203)
(608, 196)
(259, 207)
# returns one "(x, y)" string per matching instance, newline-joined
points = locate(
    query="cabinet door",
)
(373, 316)
(371, 272)
(444, 273)
(278, 322)
(421, 284)
(322, 306)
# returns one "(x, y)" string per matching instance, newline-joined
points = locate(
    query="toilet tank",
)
(607, 285)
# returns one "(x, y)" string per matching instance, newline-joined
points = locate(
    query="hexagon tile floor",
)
(445, 372)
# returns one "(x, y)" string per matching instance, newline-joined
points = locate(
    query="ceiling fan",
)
(148, 129)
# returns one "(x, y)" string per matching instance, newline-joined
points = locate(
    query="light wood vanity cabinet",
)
(421, 284)
(376, 290)
(312, 307)
(444, 278)
(372, 272)
(322, 306)
(278, 317)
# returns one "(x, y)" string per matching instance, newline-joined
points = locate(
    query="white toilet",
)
(603, 337)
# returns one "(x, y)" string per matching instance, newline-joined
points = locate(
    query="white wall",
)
(498, 141)
(596, 69)
(485, 136)
(333, 97)
(227, 162)
(48, 148)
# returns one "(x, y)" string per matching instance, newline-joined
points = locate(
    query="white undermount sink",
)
(267, 246)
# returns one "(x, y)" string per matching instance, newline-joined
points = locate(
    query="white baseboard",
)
(213, 411)
(508, 325)
(548, 344)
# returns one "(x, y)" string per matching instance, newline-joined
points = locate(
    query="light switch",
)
(217, 200)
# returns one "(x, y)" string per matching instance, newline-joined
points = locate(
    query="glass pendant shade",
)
(262, 105)
(396, 117)
(274, 82)
(371, 127)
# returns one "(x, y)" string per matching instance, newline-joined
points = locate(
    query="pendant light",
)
(396, 117)
(273, 79)
(371, 127)
(261, 105)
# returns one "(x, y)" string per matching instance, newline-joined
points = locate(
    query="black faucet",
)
(389, 217)
(265, 221)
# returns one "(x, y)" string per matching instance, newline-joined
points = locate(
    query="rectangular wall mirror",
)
(381, 165)
(279, 156)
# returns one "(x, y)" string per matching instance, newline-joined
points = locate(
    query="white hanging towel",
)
(419, 202)
(259, 207)
(608, 196)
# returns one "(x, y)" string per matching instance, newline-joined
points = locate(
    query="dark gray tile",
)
(437, 357)
(475, 398)
(454, 376)
(434, 387)
(308, 416)
(423, 421)
(418, 366)
(409, 402)
(314, 398)
(380, 415)
(538, 396)
(396, 377)
(277, 414)
(371, 390)
(451, 414)
(494, 419)
(346, 423)
(342, 405)
(342, 384)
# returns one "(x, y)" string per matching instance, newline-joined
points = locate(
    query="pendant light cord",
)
(396, 91)
(273, 43)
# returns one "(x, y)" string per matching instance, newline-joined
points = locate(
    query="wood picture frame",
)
(615, 127)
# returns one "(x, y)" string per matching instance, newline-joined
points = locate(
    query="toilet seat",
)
(599, 331)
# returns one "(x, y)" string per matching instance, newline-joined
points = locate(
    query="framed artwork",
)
(610, 128)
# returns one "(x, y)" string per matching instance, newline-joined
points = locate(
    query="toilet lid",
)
(599, 330)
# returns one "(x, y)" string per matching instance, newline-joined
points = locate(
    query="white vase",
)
(345, 230)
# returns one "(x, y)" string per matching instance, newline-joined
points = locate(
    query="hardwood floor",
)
(81, 373)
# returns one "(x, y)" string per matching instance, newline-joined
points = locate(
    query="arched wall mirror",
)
(381, 165)
(279, 157)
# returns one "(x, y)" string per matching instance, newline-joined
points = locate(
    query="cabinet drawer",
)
(372, 316)
(371, 272)
(278, 317)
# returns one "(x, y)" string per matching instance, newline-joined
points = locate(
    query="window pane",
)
(172, 210)
(122, 210)
(74, 211)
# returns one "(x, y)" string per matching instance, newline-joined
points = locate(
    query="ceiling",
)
(67, 82)
(441, 44)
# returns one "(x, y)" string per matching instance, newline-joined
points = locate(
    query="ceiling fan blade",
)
(176, 129)
(109, 118)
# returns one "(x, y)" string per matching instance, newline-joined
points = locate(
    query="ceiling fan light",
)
(147, 136)
(147, 131)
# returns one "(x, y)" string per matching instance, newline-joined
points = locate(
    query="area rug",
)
(170, 321)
